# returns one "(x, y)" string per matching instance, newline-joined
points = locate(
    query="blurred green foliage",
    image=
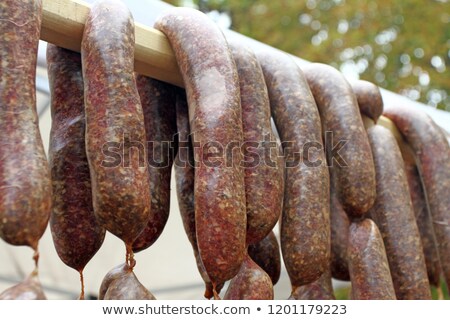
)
(403, 46)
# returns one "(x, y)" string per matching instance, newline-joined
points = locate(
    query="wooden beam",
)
(63, 23)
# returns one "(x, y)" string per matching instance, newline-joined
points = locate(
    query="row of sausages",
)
(354, 208)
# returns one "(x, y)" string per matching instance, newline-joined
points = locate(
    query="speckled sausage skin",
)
(121, 191)
(433, 154)
(266, 254)
(76, 234)
(158, 104)
(339, 114)
(29, 289)
(25, 186)
(394, 215)
(185, 177)
(369, 98)
(423, 220)
(321, 289)
(368, 264)
(263, 180)
(305, 242)
(339, 238)
(212, 88)
(121, 284)
(251, 283)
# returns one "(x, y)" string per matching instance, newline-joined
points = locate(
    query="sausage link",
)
(433, 153)
(263, 177)
(368, 263)
(354, 170)
(251, 283)
(29, 289)
(76, 233)
(121, 283)
(369, 98)
(185, 177)
(423, 219)
(25, 185)
(393, 213)
(158, 104)
(305, 242)
(266, 254)
(321, 289)
(114, 119)
(339, 238)
(212, 88)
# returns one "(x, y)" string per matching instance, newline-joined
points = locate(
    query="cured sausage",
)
(25, 185)
(305, 242)
(432, 151)
(29, 289)
(212, 88)
(76, 233)
(339, 238)
(368, 264)
(263, 176)
(121, 284)
(251, 283)
(115, 132)
(158, 104)
(185, 177)
(320, 289)
(423, 219)
(352, 163)
(393, 213)
(266, 254)
(369, 98)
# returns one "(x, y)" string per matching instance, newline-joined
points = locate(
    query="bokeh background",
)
(402, 46)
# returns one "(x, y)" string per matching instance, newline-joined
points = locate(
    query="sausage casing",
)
(368, 264)
(25, 185)
(393, 213)
(305, 230)
(354, 171)
(114, 122)
(432, 151)
(158, 104)
(76, 233)
(212, 88)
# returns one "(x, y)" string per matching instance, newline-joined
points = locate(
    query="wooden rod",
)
(63, 23)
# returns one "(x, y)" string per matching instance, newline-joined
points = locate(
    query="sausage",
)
(212, 88)
(368, 264)
(185, 177)
(305, 242)
(339, 238)
(76, 233)
(25, 185)
(320, 289)
(114, 123)
(251, 283)
(352, 163)
(432, 151)
(423, 218)
(393, 213)
(29, 289)
(266, 254)
(369, 98)
(263, 177)
(121, 283)
(158, 104)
